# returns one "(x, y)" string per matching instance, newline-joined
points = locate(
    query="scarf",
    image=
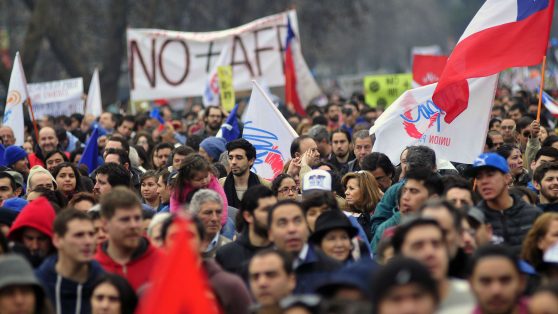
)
(230, 189)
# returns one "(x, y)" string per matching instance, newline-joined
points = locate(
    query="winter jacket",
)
(312, 271)
(512, 224)
(392, 221)
(68, 296)
(552, 207)
(138, 269)
(387, 206)
(213, 185)
(351, 166)
(229, 289)
(234, 256)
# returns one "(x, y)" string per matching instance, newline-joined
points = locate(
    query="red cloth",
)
(38, 214)
(35, 161)
(291, 93)
(179, 283)
(136, 271)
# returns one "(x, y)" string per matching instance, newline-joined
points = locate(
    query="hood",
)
(38, 214)
(143, 250)
(47, 272)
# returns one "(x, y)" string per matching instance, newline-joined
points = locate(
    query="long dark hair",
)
(77, 174)
(192, 165)
(126, 295)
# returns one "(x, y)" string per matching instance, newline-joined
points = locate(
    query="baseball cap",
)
(318, 179)
(476, 216)
(489, 160)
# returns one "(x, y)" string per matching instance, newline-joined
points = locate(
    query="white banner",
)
(57, 98)
(171, 64)
(413, 119)
(271, 136)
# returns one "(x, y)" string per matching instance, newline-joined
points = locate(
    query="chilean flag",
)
(550, 104)
(503, 34)
(291, 93)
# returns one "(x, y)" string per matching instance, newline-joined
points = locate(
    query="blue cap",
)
(490, 160)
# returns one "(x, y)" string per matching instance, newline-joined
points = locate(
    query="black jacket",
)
(234, 256)
(511, 225)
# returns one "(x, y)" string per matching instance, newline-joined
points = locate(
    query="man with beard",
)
(497, 281)
(341, 152)
(242, 155)
(48, 142)
(126, 252)
(546, 182)
(234, 257)
(332, 114)
(212, 118)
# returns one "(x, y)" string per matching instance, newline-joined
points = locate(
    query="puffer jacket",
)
(511, 225)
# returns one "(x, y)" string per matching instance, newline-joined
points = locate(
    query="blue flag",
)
(91, 152)
(2, 159)
(156, 114)
(230, 129)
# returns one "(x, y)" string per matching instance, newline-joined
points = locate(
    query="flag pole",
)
(541, 89)
(33, 119)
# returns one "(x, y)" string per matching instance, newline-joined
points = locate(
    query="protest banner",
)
(414, 119)
(382, 90)
(171, 64)
(57, 98)
(226, 90)
(269, 132)
(427, 69)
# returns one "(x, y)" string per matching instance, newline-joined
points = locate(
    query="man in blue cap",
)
(510, 216)
(16, 159)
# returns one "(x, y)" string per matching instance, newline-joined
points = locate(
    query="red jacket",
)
(137, 270)
(34, 160)
(38, 214)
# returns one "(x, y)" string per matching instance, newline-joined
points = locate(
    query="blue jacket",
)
(313, 270)
(387, 206)
(67, 296)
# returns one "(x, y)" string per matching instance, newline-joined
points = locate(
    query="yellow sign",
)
(226, 90)
(383, 90)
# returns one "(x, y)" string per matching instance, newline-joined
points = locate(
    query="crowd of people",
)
(341, 230)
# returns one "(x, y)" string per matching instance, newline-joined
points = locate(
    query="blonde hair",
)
(370, 192)
(530, 251)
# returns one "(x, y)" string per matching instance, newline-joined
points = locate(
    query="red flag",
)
(291, 93)
(503, 34)
(179, 283)
(428, 68)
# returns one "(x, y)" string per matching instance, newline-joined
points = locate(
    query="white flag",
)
(94, 104)
(414, 119)
(17, 95)
(211, 95)
(269, 132)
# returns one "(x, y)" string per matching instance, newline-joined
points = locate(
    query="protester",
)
(113, 294)
(234, 256)
(492, 176)
(545, 300)
(513, 157)
(54, 158)
(545, 180)
(271, 279)
(424, 240)
(8, 186)
(164, 191)
(362, 146)
(242, 156)
(68, 179)
(47, 143)
(212, 147)
(284, 187)
(16, 159)
(381, 168)
(40, 177)
(207, 205)
(333, 234)
(497, 281)
(362, 194)
(341, 152)
(126, 252)
(68, 277)
(83, 201)
(160, 155)
(148, 190)
(109, 176)
(288, 232)
(154, 230)
(541, 237)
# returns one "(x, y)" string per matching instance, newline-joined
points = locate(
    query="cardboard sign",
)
(382, 90)
(226, 89)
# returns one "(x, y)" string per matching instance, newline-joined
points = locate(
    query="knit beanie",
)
(39, 169)
(13, 154)
(214, 146)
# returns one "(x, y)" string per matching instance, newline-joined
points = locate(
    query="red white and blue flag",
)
(550, 104)
(291, 93)
(503, 34)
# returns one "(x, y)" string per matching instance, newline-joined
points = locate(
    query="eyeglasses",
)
(287, 189)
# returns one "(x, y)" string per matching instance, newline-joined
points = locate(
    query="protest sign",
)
(226, 89)
(57, 98)
(171, 64)
(382, 90)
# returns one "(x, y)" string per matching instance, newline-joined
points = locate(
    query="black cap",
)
(331, 220)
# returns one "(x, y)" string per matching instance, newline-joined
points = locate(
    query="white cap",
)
(316, 180)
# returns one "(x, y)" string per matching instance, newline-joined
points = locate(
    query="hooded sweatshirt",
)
(66, 295)
(138, 269)
(213, 185)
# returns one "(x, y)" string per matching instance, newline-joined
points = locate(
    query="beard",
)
(549, 197)
(260, 229)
